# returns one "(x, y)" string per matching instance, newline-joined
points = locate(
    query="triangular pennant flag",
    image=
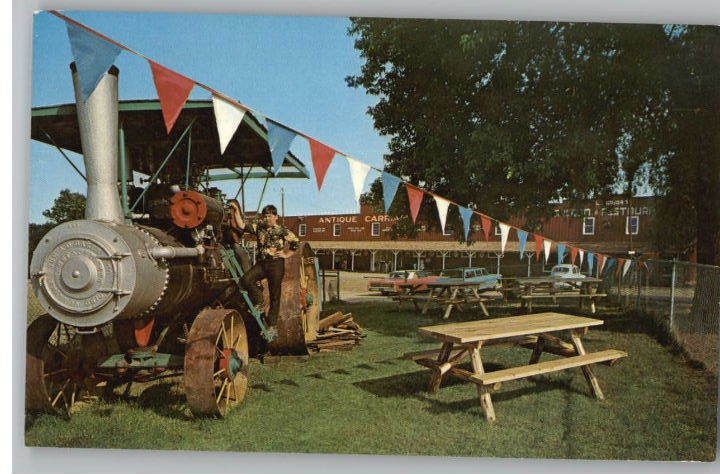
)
(466, 215)
(322, 155)
(279, 138)
(93, 57)
(442, 207)
(522, 239)
(573, 254)
(546, 247)
(591, 260)
(486, 225)
(390, 184)
(173, 91)
(609, 263)
(415, 196)
(561, 252)
(626, 267)
(538, 245)
(601, 262)
(504, 233)
(228, 117)
(581, 252)
(358, 173)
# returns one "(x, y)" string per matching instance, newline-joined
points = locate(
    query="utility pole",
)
(282, 204)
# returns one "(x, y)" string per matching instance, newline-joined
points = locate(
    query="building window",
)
(375, 229)
(336, 230)
(302, 230)
(586, 212)
(497, 230)
(588, 226)
(632, 225)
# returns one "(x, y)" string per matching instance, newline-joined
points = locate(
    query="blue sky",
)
(289, 68)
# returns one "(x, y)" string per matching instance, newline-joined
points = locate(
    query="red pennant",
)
(486, 225)
(601, 262)
(538, 245)
(415, 196)
(573, 254)
(173, 91)
(322, 156)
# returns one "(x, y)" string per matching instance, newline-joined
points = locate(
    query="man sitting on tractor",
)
(272, 238)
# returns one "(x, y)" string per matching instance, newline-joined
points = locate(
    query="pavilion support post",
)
(332, 264)
(470, 258)
(395, 255)
(444, 255)
(418, 255)
(352, 260)
(499, 256)
(372, 260)
(123, 165)
(528, 255)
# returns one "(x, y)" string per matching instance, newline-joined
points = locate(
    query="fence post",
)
(672, 296)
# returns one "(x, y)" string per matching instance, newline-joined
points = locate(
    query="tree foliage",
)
(68, 206)
(508, 116)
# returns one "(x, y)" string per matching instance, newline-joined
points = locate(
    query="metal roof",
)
(147, 142)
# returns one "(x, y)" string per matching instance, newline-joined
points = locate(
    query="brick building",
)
(363, 242)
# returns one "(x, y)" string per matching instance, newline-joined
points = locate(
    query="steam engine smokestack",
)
(98, 122)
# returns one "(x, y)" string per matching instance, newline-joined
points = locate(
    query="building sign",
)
(612, 207)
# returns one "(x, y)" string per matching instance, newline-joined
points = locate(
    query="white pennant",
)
(504, 232)
(546, 247)
(442, 206)
(626, 267)
(358, 173)
(228, 117)
(582, 254)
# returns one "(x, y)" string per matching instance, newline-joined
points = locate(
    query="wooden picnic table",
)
(547, 287)
(533, 331)
(447, 294)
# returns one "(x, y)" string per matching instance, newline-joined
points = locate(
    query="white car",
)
(565, 270)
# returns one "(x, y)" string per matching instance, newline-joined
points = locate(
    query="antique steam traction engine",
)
(133, 300)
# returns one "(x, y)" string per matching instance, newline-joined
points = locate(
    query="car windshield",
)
(402, 275)
(453, 273)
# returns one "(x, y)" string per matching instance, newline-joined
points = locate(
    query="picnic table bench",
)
(463, 340)
(448, 295)
(528, 289)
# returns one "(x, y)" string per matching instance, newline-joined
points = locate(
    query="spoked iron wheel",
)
(57, 372)
(216, 362)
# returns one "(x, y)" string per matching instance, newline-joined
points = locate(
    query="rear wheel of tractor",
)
(216, 362)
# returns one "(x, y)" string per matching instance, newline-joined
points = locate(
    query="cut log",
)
(333, 320)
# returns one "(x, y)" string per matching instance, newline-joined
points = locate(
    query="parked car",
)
(471, 274)
(565, 270)
(391, 284)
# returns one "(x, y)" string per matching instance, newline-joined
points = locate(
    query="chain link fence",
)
(682, 297)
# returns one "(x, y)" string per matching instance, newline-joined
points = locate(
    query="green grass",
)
(657, 407)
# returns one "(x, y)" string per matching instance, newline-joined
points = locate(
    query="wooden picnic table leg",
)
(587, 371)
(426, 306)
(449, 307)
(478, 369)
(438, 373)
(537, 350)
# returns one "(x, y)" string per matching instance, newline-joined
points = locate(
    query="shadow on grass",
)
(414, 385)
(164, 399)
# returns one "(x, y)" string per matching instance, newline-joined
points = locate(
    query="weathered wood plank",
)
(549, 366)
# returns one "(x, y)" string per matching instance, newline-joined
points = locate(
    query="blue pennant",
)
(522, 238)
(590, 260)
(609, 264)
(466, 214)
(390, 185)
(561, 252)
(93, 57)
(279, 139)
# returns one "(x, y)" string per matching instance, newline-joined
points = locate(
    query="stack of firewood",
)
(336, 332)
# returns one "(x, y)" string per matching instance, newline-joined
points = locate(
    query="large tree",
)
(511, 115)
(68, 206)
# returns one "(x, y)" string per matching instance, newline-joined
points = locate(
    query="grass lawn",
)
(657, 407)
